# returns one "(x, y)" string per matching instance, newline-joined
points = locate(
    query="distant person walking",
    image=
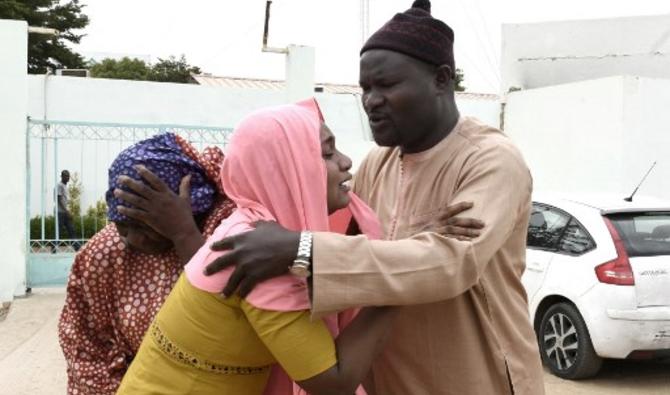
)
(64, 219)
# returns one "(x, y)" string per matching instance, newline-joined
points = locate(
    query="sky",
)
(224, 37)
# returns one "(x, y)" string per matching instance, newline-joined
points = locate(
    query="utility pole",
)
(299, 64)
(365, 20)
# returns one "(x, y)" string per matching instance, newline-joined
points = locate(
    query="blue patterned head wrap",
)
(163, 156)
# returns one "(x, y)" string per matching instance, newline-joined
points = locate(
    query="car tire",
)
(565, 344)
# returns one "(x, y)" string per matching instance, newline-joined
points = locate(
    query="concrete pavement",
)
(31, 362)
(617, 377)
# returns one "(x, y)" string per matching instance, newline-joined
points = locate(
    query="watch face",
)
(300, 270)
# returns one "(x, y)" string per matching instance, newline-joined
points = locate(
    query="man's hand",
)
(263, 253)
(460, 228)
(157, 206)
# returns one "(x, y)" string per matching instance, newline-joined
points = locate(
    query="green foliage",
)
(459, 80)
(173, 70)
(46, 52)
(166, 70)
(124, 69)
(74, 191)
(94, 220)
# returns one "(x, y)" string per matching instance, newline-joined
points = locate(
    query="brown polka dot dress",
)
(113, 295)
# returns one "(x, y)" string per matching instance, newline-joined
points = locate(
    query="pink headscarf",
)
(274, 170)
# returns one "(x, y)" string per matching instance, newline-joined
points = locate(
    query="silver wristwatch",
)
(303, 260)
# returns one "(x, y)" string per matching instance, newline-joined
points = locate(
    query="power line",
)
(491, 63)
(482, 74)
(486, 30)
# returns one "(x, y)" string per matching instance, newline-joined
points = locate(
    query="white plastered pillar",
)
(299, 73)
(13, 113)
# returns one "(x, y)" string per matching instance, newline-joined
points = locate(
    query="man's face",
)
(65, 177)
(399, 96)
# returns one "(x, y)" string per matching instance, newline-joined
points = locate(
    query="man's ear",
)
(444, 77)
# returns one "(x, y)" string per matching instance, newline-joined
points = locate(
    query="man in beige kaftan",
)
(465, 328)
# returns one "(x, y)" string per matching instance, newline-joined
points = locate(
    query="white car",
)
(598, 280)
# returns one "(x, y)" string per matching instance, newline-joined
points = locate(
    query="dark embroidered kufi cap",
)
(417, 34)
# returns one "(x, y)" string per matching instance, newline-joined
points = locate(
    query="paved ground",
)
(4, 309)
(617, 377)
(31, 362)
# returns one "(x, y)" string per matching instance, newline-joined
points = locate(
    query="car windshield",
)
(645, 233)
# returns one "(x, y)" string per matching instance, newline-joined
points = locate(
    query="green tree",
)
(166, 70)
(173, 70)
(124, 69)
(459, 80)
(46, 52)
(95, 218)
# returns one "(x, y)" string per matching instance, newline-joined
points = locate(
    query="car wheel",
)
(565, 344)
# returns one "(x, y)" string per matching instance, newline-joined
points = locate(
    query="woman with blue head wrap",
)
(163, 156)
(123, 274)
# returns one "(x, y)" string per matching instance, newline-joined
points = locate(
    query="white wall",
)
(486, 111)
(543, 54)
(299, 72)
(594, 136)
(119, 101)
(13, 102)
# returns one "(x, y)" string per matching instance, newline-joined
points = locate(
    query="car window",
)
(545, 227)
(644, 233)
(576, 240)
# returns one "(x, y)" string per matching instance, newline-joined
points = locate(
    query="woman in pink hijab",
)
(281, 165)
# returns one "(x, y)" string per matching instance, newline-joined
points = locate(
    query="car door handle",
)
(535, 267)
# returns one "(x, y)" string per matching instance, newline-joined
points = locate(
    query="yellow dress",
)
(202, 343)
